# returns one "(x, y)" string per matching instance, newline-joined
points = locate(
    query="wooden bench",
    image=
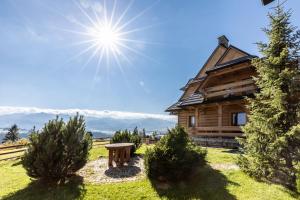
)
(119, 153)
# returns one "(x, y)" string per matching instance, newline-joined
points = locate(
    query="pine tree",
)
(272, 143)
(135, 131)
(58, 150)
(12, 134)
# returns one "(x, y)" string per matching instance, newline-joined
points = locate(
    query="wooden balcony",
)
(216, 131)
(230, 88)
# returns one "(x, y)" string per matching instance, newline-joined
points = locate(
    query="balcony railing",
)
(230, 88)
(216, 131)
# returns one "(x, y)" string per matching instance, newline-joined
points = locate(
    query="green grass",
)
(97, 152)
(208, 184)
(143, 148)
(221, 155)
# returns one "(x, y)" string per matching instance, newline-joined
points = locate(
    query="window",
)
(238, 119)
(192, 121)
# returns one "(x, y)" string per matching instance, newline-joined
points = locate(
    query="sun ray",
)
(113, 12)
(108, 36)
(85, 14)
(123, 14)
(90, 57)
(136, 17)
(137, 52)
(83, 51)
(140, 41)
(135, 30)
(83, 42)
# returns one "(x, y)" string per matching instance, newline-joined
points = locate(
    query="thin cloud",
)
(7, 110)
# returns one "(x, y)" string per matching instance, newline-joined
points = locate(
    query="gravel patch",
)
(225, 166)
(98, 171)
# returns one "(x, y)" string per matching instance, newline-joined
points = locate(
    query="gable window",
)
(238, 119)
(192, 121)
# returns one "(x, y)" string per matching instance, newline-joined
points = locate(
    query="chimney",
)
(266, 2)
(223, 40)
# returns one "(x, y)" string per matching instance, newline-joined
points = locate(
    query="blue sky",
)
(39, 66)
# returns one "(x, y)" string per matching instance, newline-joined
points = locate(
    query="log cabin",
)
(212, 107)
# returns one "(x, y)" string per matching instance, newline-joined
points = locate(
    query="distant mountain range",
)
(101, 126)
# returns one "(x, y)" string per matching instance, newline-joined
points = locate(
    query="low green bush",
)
(174, 158)
(58, 150)
(127, 136)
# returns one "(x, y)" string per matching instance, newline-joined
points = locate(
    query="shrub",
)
(12, 135)
(58, 150)
(174, 157)
(126, 136)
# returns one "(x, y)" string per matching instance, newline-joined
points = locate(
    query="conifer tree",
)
(12, 134)
(135, 131)
(58, 150)
(272, 143)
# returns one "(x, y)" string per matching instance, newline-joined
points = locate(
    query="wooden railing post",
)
(197, 117)
(220, 113)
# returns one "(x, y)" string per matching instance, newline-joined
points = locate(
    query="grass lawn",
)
(98, 151)
(209, 184)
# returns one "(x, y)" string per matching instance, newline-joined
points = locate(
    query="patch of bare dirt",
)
(98, 171)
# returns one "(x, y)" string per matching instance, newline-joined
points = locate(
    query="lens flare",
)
(107, 35)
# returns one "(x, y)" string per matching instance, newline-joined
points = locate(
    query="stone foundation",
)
(228, 142)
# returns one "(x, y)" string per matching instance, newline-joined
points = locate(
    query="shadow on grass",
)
(122, 172)
(207, 183)
(74, 189)
(291, 193)
(125, 171)
(233, 151)
(19, 162)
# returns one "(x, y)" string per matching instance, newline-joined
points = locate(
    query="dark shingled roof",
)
(232, 62)
(195, 98)
(192, 80)
(174, 107)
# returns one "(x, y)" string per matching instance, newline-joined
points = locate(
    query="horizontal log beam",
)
(229, 85)
(216, 128)
(219, 134)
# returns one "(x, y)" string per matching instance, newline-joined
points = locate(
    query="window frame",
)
(235, 118)
(191, 121)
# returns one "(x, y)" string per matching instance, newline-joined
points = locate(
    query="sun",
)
(108, 36)
(105, 36)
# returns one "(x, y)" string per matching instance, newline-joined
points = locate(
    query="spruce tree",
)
(12, 134)
(272, 143)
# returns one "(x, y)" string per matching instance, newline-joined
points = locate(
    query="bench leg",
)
(122, 157)
(117, 157)
(127, 154)
(110, 158)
